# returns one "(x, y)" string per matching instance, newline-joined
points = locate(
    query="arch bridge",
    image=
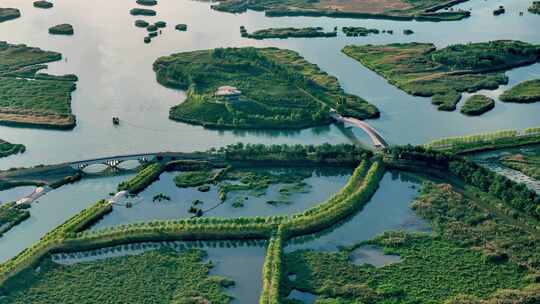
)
(113, 161)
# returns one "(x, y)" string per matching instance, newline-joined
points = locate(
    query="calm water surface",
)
(116, 77)
(321, 185)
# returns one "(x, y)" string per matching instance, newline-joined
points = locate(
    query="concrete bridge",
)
(376, 138)
(113, 161)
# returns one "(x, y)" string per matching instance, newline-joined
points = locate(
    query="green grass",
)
(160, 276)
(9, 14)
(7, 149)
(192, 179)
(280, 89)
(422, 70)
(289, 32)
(477, 105)
(525, 92)
(62, 29)
(31, 98)
(528, 164)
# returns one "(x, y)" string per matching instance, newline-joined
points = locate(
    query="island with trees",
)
(255, 88)
(421, 10)
(62, 29)
(525, 92)
(7, 148)
(29, 98)
(477, 105)
(355, 31)
(287, 32)
(43, 4)
(7, 14)
(421, 69)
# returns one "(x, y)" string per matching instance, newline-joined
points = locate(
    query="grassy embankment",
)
(486, 141)
(525, 92)
(477, 105)
(421, 10)
(9, 14)
(527, 163)
(422, 70)
(287, 32)
(472, 254)
(280, 90)
(32, 99)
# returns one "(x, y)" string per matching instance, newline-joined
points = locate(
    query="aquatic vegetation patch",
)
(7, 149)
(181, 27)
(147, 2)
(477, 105)
(11, 215)
(62, 29)
(146, 175)
(192, 178)
(255, 88)
(142, 12)
(158, 276)
(474, 252)
(423, 10)
(29, 98)
(525, 92)
(355, 31)
(287, 32)
(422, 70)
(7, 14)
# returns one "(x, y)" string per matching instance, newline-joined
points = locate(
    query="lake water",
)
(53, 209)
(388, 209)
(320, 186)
(116, 78)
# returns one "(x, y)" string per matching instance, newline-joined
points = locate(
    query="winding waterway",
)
(116, 77)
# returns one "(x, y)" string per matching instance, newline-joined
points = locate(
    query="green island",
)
(32, 99)
(141, 23)
(7, 14)
(11, 215)
(62, 29)
(255, 88)
(355, 31)
(192, 179)
(147, 2)
(477, 105)
(155, 276)
(181, 27)
(7, 148)
(421, 10)
(43, 4)
(535, 7)
(483, 246)
(142, 12)
(486, 141)
(525, 92)
(422, 70)
(526, 163)
(287, 32)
